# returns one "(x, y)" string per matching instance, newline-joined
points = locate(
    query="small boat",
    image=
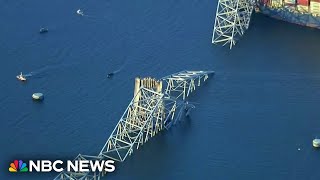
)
(37, 96)
(21, 77)
(110, 75)
(43, 30)
(80, 12)
(316, 143)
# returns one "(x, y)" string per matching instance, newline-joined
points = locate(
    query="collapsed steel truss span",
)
(232, 20)
(183, 83)
(149, 112)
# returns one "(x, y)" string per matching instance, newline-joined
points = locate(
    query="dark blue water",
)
(250, 119)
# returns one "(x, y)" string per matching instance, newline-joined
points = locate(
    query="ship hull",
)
(291, 16)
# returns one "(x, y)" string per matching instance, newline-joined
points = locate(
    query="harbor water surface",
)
(255, 119)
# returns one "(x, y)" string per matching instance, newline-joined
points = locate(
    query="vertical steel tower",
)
(232, 20)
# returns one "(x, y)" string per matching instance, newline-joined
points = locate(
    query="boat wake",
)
(81, 13)
(45, 69)
(28, 75)
(120, 68)
(123, 65)
(95, 18)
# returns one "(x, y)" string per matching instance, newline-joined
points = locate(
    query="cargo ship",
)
(301, 12)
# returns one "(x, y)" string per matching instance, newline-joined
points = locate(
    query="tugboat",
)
(43, 30)
(21, 77)
(80, 12)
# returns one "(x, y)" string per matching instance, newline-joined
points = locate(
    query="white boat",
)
(316, 143)
(43, 30)
(21, 77)
(80, 12)
(37, 96)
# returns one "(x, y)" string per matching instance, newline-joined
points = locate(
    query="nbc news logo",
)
(57, 166)
(18, 166)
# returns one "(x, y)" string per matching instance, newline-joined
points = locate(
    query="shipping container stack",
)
(315, 7)
(290, 4)
(303, 6)
(276, 3)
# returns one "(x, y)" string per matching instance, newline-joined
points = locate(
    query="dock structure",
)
(232, 20)
(150, 111)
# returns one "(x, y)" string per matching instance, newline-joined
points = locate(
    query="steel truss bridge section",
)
(232, 20)
(149, 112)
(181, 84)
(142, 120)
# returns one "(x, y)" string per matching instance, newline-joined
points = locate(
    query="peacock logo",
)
(18, 166)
